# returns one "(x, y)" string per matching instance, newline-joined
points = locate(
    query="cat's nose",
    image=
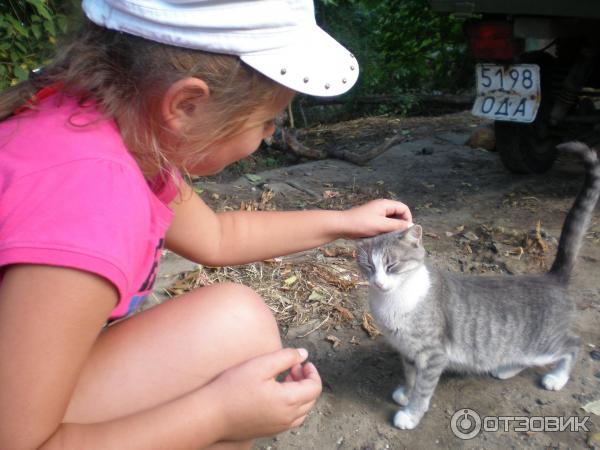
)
(379, 284)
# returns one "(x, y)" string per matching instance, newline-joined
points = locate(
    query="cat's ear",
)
(361, 245)
(414, 235)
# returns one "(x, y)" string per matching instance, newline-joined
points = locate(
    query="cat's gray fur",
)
(483, 324)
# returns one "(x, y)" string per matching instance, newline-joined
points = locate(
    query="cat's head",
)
(388, 259)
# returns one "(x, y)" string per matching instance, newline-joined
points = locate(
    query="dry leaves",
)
(343, 281)
(486, 241)
(537, 243)
(263, 204)
(345, 313)
(297, 291)
(518, 252)
(334, 340)
(339, 252)
(331, 194)
(369, 326)
(266, 196)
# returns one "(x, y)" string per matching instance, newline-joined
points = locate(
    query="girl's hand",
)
(376, 217)
(254, 404)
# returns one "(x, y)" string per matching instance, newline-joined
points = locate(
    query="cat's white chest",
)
(391, 309)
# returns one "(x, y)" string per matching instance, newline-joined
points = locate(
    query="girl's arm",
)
(50, 318)
(240, 237)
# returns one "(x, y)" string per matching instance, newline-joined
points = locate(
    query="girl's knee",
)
(240, 308)
(243, 301)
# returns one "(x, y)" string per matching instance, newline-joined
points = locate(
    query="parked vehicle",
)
(537, 73)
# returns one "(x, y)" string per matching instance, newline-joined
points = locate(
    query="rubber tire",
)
(522, 150)
(526, 148)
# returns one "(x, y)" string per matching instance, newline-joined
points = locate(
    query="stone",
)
(594, 441)
(483, 137)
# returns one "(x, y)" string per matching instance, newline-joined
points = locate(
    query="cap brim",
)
(315, 65)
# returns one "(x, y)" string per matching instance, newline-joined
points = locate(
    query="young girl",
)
(91, 153)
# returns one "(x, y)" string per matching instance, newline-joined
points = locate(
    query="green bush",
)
(401, 45)
(29, 30)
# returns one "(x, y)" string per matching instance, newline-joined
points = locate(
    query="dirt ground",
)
(477, 218)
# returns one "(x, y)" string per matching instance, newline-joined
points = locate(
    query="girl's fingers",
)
(399, 211)
(296, 372)
(299, 421)
(305, 409)
(304, 391)
(299, 372)
(303, 412)
(397, 224)
(310, 371)
(302, 415)
(272, 364)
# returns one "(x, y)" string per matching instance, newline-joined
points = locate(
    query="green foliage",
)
(28, 33)
(401, 45)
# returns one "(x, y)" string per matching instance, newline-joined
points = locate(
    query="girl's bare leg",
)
(170, 350)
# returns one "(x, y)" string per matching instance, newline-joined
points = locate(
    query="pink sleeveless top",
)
(71, 195)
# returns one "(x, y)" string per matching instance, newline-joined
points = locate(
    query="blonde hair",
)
(127, 76)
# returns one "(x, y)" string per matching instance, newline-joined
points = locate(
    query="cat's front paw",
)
(406, 420)
(554, 382)
(400, 396)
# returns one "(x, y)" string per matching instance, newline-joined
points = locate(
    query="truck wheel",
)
(527, 147)
(521, 148)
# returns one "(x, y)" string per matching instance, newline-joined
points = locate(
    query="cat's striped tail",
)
(579, 217)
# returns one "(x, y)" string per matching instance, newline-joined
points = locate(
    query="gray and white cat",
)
(479, 324)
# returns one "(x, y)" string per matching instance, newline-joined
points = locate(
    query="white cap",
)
(279, 38)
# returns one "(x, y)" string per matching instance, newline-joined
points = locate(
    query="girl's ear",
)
(182, 100)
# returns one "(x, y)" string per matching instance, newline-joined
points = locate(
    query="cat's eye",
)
(392, 267)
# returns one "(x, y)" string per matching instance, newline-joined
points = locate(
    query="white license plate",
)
(510, 93)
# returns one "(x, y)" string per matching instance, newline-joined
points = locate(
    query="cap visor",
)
(315, 64)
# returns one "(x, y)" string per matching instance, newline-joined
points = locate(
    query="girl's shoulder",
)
(60, 130)
(63, 156)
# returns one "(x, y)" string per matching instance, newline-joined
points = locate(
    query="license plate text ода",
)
(510, 93)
